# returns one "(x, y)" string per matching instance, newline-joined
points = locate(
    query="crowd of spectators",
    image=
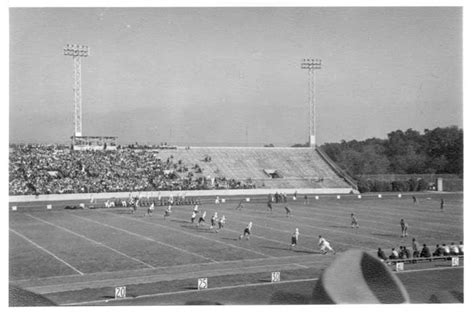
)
(41, 169)
(422, 252)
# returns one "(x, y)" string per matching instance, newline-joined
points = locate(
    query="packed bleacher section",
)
(41, 169)
(49, 170)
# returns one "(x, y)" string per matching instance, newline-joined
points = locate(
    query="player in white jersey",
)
(247, 232)
(294, 238)
(167, 212)
(150, 209)
(196, 208)
(324, 246)
(193, 216)
(354, 223)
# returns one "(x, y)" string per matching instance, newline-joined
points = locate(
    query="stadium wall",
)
(175, 193)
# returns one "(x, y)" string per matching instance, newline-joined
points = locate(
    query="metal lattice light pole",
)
(311, 65)
(77, 51)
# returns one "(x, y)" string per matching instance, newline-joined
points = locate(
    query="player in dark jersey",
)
(167, 212)
(404, 227)
(354, 223)
(240, 206)
(247, 232)
(202, 218)
(269, 206)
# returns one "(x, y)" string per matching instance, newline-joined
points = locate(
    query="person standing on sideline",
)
(416, 248)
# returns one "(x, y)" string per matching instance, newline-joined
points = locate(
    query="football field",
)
(80, 256)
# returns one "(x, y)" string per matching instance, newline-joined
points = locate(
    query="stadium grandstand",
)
(39, 170)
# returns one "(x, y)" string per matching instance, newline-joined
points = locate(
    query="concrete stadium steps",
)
(299, 167)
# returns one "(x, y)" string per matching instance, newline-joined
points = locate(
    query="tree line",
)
(437, 151)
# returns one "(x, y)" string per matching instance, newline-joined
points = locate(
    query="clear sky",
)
(232, 76)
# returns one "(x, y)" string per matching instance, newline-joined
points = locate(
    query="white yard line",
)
(193, 234)
(221, 262)
(46, 251)
(91, 240)
(144, 237)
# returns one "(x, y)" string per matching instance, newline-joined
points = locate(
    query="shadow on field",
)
(190, 288)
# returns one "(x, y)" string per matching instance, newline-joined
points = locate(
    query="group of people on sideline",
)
(424, 251)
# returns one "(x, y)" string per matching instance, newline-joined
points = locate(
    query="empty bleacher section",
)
(296, 167)
(42, 170)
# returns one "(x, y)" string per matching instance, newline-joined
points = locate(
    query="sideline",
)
(232, 287)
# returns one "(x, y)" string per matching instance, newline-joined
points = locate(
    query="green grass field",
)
(80, 256)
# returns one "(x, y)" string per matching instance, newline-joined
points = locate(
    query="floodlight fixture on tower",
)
(311, 64)
(77, 52)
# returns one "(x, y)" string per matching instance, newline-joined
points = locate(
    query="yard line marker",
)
(431, 269)
(91, 240)
(232, 287)
(194, 291)
(47, 251)
(144, 237)
(47, 289)
(192, 234)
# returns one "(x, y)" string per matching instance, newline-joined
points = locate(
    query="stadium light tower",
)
(77, 52)
(311, 65)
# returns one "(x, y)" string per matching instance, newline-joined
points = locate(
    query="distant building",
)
(82, 143)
